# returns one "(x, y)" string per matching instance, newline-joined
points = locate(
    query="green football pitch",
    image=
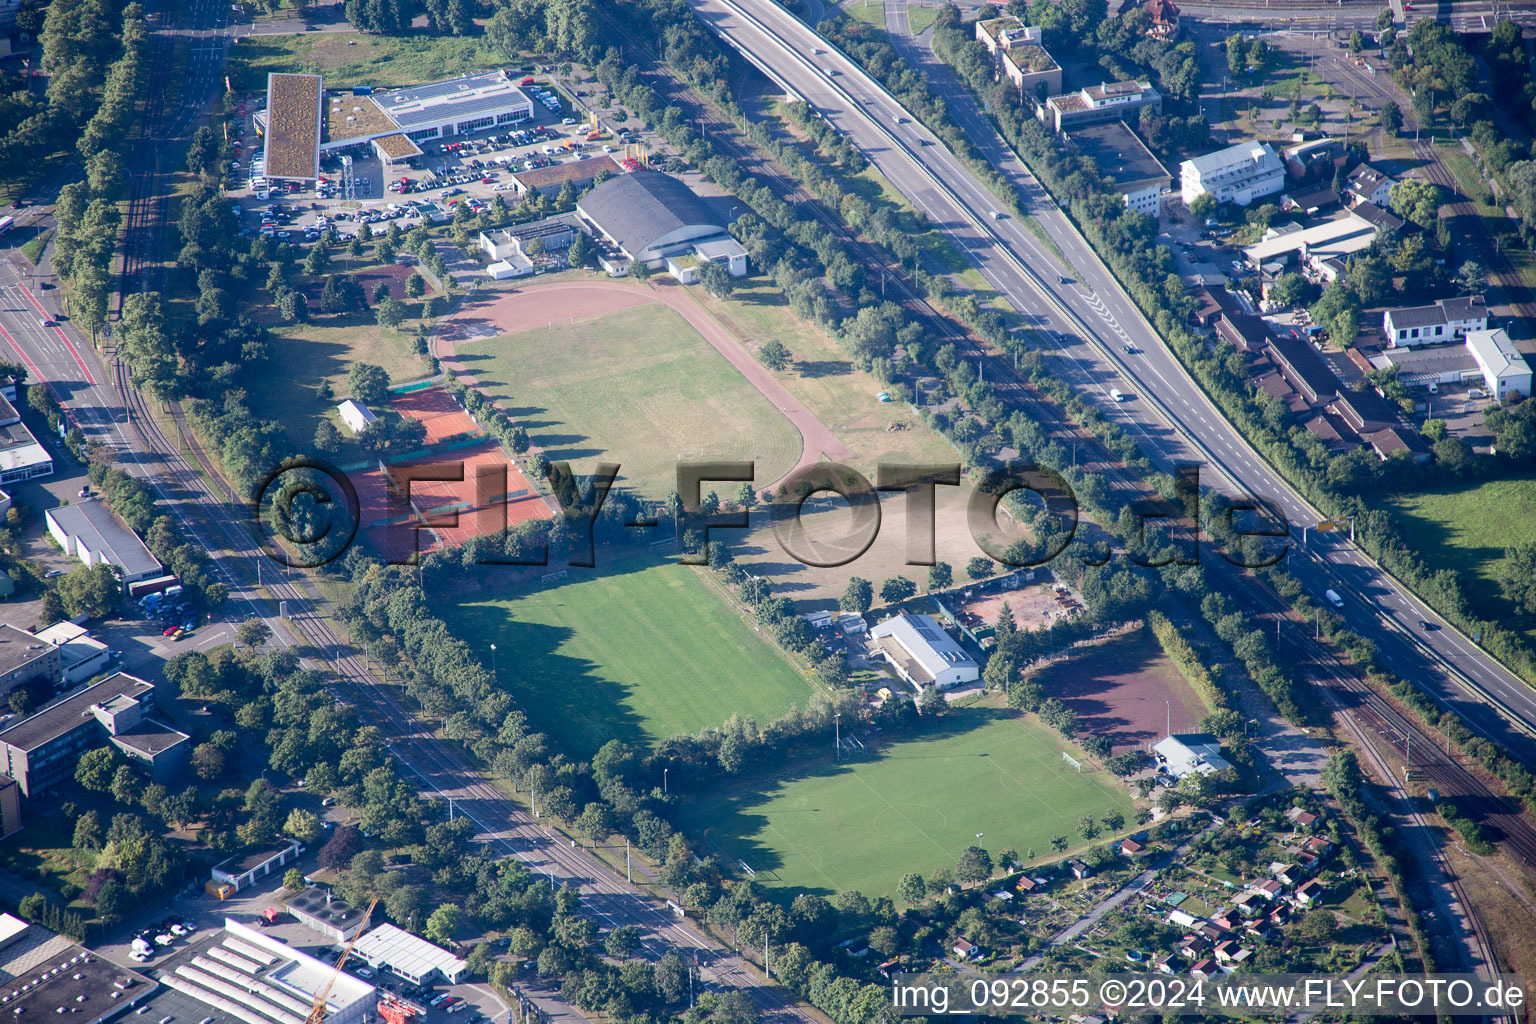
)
(637, 650)
(913, 806)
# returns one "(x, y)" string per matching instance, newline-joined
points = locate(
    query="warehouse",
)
(649, 216)
(292, 147)
(89, 531)
(579, 174)
(922, 653)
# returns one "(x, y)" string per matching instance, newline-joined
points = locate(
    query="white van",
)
(1117, 394)
(1334, 598)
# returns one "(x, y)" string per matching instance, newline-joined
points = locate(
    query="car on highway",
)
(997, 214)
(1131, 350)
(44, 322)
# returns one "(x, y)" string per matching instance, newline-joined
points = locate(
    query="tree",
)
(911, 889)
(716, 280)
(111, 901)
(974, 865)
(442, 924)
(622, 942)
(207, 761)
(293, 880)
(125, 785)
(1237, 55)
(88, 833)
(596, 821)
(1203, 205)
(253, 632)
(1291, 289)
(897, 589)
(979, 568)
(774, 355)
(580, 251)
(327, 438)
(390, 313)
(1517, 577)
(368, 384)
(95, 769)
(1391, 117)
(1114, 821)
(91, 591)
(1356, 42)
(1418, 201)
(1471, 278)
(415, 286)
(1319, 924)
(940, 576)
(303, 825)
(292, 306)
(346, 844)
(1059, 843)
(858, 595)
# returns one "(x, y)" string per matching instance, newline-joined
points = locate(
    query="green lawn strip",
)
(911, 806)
(639, 650)
(348, 59)
(639, 387)
(871, 12)
(1468, 180)
(33, 249)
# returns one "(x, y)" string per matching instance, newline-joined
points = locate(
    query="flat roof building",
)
(245, 869)
(41, 750)
(1198, 753)
(248, 974)
(319, 910)
(1445, 320)
(414, 959)
(1505, 369)
(89, 531)
(46, 976)
(1020, 54)
(21, 457)
(1335, 238)
(25, 657)
(1238, 174)
(456, 106)
(1097, 104)
(80, 657)
(1304, 367)
(923, 654)
(649, 216)
(292, 146)
(1122, 158)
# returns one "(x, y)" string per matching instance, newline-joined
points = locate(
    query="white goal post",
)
(1074, 762)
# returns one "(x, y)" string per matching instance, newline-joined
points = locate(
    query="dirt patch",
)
(1126, 689)
(1034, 604)
(393, 275)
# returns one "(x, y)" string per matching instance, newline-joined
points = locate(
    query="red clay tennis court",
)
(492, 495)
(438, 410)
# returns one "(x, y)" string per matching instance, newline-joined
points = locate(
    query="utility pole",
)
(837, 725)
(627, 876)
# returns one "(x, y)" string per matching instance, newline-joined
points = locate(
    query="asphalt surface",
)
(1092, 320)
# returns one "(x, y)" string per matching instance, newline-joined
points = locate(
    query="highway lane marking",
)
(60, 332)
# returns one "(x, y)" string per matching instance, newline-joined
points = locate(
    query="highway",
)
(1092, 321)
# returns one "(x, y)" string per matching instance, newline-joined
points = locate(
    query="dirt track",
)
(536, 305)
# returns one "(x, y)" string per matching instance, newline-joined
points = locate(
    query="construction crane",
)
(317, 1011)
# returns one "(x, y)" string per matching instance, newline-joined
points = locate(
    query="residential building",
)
(1442, 321)
(89, 531)
(1365, 184)
(10, 806)
(922, 653)
(355, 416)
(246, 869)
(649, 216)
(249, 975)
(1020, 55)
(80, 656)
(1310, 892)
(964, 948)
(41, 750)
(1505, 370)
(1165, 19)
(21, 457)
(578, 174)
(1310, 201)
(416, 960)
(1098, 104)
(25, 658)
(1121, 157)
(1238, 174)
(1197, 753)
(1319, 156)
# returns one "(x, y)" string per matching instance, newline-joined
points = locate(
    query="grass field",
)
(639, 387)
(1468, 181)
(913, 807)
(869, 11)
(1468, 530)
(637, 651)
(353, 58)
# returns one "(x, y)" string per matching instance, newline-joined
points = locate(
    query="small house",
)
(1317, 846)
(1310, 892)
(356, 416)
(1302, 819)
(1224, 950)
(1247, 904)
(1079, 869)
(1288, 874)
(1269, 889)
(1204, 969)
(1027, 885)
(965, 949)
(1132, 849)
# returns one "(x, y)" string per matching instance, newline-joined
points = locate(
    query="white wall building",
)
(1443, 321)
(922, 653)
(457, 106)
(649, 216)
(1097, 104)
(1198, 753)
(357, 416)
(416, 960)
(1368, 185)
(1504, 369)
(89, 531)
(1238, 174)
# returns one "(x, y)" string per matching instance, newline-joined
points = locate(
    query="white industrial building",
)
(1238, 174)
(21, 457)
(80, 656)
(89, 531)
(923, 654)
(253, 977)
(1504, 368)
(1098, 104)
(414, 959)
(1443, 321)
(244, 870)
(456, 106)
(1198, 753)
(1334, 239)
(649, 216)
(355, 415)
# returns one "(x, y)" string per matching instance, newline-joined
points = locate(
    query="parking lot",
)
(467, 169)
